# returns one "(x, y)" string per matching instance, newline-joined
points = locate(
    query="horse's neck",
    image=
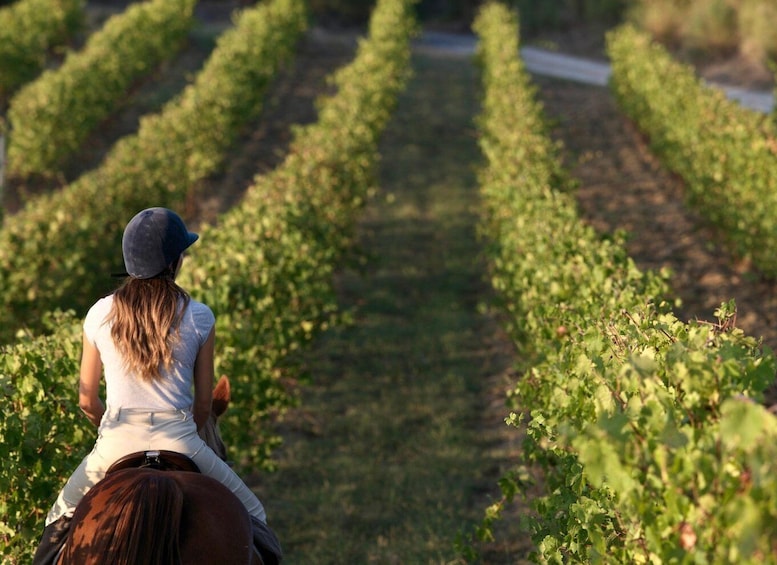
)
(210, 434)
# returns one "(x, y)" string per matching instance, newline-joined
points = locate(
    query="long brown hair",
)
(145, 317)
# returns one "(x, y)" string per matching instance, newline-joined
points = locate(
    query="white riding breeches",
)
(122, 432)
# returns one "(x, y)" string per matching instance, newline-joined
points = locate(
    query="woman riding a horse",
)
(155, 346)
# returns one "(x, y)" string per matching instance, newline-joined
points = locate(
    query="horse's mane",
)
(149, 501)
(141, 512)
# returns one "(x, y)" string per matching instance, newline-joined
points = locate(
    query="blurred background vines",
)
(690, 28)
(726, 26)
(535, 14)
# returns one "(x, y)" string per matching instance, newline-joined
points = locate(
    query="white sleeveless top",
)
(126, 390)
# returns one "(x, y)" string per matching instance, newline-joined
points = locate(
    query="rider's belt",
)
(148, 417)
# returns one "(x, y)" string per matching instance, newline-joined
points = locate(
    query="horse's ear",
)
(222, 394)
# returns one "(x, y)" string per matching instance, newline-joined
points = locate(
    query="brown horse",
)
(162, 517)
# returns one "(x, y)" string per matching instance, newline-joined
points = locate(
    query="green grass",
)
(391, 455)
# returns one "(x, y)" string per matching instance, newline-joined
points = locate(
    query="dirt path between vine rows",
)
(400, 439)
(623, 187)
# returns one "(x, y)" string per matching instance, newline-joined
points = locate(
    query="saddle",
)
(161, 459)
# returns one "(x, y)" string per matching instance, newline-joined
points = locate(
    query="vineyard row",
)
(645, 433)
(29, 30)
(725, 153)
(50, 117)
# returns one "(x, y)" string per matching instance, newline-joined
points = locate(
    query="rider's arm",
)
(203, 380)
(89, 383)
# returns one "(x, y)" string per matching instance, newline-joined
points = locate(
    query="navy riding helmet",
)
(152, 240)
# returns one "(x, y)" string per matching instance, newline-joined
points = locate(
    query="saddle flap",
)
(161, 459)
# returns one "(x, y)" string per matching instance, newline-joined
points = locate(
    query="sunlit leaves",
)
(42, 430)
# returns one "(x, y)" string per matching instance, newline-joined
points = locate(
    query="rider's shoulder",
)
(100, 308)
(201, 312)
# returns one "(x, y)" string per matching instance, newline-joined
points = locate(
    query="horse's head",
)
(210, 430)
